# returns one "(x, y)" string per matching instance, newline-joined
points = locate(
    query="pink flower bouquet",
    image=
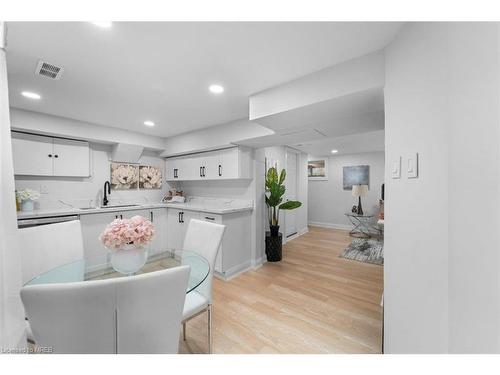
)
(137, 231)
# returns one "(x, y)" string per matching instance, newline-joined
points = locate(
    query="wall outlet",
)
(44, 189)
(396, 168)
(412, 166)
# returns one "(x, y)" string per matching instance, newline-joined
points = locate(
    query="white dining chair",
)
(46, 247)
(49, 246)
(118, 315)
(203, 238)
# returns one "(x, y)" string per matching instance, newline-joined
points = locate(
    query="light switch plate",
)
(412, 166)
(396, 168)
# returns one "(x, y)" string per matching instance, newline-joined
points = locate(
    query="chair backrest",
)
(204, 238)
(150, 310)
(72, 318)
(137, 314)
(48, 246)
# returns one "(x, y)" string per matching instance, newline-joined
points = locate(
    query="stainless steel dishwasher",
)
(26, 223)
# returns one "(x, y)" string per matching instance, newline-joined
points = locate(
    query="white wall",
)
(441, 240)
(328, 201)
(352, 76)
(41, 123)
(79, 191)
(214, 137)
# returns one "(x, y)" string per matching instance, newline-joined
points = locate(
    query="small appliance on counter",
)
(174, 196)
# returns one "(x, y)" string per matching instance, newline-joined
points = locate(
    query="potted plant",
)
(126, 239)
(27, 198)
(275, 190)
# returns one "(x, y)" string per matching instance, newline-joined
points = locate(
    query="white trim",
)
(330, 225)
(234, 271)
(296, 235)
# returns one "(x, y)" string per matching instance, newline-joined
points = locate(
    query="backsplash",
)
(84, 192)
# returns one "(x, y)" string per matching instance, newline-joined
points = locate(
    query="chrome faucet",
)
(105, 199)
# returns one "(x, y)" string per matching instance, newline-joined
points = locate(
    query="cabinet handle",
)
(151, 216)
(180, 217)
(210, 218)
(50, 155)
(220, 170)
(121, 217)
(204, 172)
(56, 156)
(116, 216)
(175, 173)
(201, 174)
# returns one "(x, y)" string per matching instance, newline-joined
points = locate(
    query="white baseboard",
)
(298, 234)
(234, 271)
(330, 225)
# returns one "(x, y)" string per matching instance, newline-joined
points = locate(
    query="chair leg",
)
(209, 312)
(184, 331)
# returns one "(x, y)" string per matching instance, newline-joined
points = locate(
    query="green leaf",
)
(282, 176)
(290, 205)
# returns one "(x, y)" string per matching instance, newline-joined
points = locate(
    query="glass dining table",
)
(100, 267)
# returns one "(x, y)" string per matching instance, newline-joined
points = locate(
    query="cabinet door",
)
(212, 168)
(178, 221)
(158, 217)
(175, 228)
(230, 163)
(32, 154)
(171, 172)
(71, 158)
(218, 220)
(92, 227)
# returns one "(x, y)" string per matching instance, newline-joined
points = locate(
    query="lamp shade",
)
(359, 190)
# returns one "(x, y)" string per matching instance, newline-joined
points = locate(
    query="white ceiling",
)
(350, 144)
(160, 71)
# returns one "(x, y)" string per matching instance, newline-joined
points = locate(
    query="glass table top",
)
(99, 268)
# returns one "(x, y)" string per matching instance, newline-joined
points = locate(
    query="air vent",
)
(49, 70)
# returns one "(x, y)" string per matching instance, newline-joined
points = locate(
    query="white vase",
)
(27, 205)
(129, 259)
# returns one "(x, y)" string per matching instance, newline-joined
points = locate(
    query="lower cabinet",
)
(235, 252)
(171, 224)
(94, 224)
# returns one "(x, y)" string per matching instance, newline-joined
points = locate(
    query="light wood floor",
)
(311, 302)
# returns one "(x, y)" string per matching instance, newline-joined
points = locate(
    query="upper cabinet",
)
(230, 163)
(36, 155)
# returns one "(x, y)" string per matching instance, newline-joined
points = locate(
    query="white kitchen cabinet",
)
(158, 216)
(235, 253)
(177, 223)
(71, 158)
(36, 155)
(92, 227)
(230, 163)
(32, 154)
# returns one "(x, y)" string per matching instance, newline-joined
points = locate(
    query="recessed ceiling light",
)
(216, 89)
(335, 151)
(103, 24)
(149, 123)
(31, 95)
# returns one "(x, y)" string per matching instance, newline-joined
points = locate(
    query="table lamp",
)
(359, 191)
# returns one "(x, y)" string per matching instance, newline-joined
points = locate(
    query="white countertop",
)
(195, 205)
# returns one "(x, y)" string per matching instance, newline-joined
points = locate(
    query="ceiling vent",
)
(49, 70)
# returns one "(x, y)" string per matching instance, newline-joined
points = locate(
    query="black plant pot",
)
(273, 247)
(275, 230)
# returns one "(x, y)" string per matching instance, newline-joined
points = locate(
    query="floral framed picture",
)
(124, 176)
(150, 177)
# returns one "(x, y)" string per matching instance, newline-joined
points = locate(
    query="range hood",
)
(126, 153)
